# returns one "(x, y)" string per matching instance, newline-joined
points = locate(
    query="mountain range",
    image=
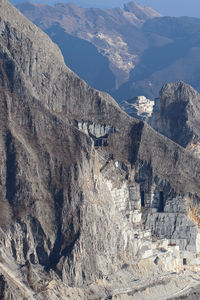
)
(126, 52)
(169, 8)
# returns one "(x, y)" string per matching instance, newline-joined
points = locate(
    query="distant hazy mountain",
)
(116, 35)
(127, 52)
(83, 58)
(82, 3)
(176, 58)
(176, 8)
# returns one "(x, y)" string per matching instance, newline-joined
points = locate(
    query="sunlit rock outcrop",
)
(139, 107)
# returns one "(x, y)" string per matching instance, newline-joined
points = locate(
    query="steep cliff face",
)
(176, 115)
(75, 171)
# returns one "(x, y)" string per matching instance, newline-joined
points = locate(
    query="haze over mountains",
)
(174, 8)
(115, 35)
(126, 52)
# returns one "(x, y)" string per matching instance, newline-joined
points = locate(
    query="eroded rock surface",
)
(176, 115)
(79, 180)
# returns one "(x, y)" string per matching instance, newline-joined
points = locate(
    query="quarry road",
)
(179, 293)
(173, 285)
(193, 282)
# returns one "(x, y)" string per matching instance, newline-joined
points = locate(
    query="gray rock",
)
(176, 115)
(72, 208)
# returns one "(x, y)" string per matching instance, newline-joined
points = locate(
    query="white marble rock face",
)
(139, 107)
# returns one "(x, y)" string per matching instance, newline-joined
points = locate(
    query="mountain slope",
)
(75, 171)
(114, 32)
(145, 51)
(84, 59)
(177, 58)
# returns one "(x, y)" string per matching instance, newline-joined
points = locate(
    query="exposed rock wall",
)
(72, 209)
(176, 115)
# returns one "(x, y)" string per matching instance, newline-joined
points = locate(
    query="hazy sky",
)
(165, 7)
(174, 7)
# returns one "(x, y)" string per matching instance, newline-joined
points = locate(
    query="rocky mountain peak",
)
(140, 12)
(176, 114)
(179, 91)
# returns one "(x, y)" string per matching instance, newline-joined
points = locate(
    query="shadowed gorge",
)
(98, 74)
